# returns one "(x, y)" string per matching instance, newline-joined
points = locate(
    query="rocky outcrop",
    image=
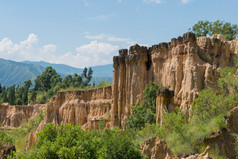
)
(14, 116)
(84, 107)
(6, 150)
(156, 148)
(164, 104)
(224, 140)
(185, 65)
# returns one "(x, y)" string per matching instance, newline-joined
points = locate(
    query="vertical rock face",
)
(84, 107)
(185, 65)
(129, 81)
(164, 103)
(156, 148)
(14, 116)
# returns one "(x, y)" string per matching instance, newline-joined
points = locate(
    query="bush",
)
(140, 117)
(5, 138)
(69, 141)
(146, 112)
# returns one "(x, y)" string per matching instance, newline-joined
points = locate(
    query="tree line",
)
(45, 86)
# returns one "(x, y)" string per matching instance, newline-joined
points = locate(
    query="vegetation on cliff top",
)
(46, 85)
(205, 28)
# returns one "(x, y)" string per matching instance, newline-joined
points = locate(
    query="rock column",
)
(164, 103)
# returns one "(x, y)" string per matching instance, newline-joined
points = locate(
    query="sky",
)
(83, 33)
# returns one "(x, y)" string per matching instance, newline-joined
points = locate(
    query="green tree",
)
(68, 81)
(4, 94)
(26, 89)
(117, 144)
(146, 112)
(0, 88)
(150, 96)
(205, 28)
(49, 78)
(77, 80)
(140, 117)
(11, 95)
(19, 95)
(38, 86)
(33, 95)
(87, 76)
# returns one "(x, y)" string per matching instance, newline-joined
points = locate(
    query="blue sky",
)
(90, 32)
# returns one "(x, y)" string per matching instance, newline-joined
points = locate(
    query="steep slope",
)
(186, 65)
(98, 71)
(12, 72)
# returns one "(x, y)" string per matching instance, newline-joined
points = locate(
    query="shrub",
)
(5, 138)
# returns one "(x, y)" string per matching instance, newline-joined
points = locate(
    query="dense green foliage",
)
(205, 28)
(104, 83)
(146, 112)
(5, 138)
(68, 142)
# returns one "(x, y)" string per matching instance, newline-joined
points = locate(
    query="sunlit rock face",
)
(83, 107)
(185, 65)
(14, 116)
(164, 104)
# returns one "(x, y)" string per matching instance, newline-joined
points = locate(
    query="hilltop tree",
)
(19, 95)
(4, 94)
(26, 89)
(87, 75)
(48, 79)
(0, 88)
(11, 95)
(207, 28)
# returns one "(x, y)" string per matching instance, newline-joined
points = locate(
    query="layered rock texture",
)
(84, 107)
(185, 65)
(156, 148)
(14, 116)
(164, 104)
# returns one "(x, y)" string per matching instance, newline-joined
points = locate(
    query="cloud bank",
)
(93, 53)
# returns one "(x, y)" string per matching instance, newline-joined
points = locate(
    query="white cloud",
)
(186, 1)
(94, 53)
(96, 48)
(154, 1)
(47, 49)
(119, 1)
(109, 38)
(100, 17)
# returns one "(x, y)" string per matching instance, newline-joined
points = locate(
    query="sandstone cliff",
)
(185, 65)
(14, 116)
(156, 148)
(84, 107)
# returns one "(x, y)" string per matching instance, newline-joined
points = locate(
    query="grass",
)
(21, 134)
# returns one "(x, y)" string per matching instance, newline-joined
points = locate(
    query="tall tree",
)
(207, 28)
(4, 94)
(11, 95)
(26, 89)
(0, 88)
(49, 78)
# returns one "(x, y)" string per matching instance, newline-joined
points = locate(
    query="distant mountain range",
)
(12, 72)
